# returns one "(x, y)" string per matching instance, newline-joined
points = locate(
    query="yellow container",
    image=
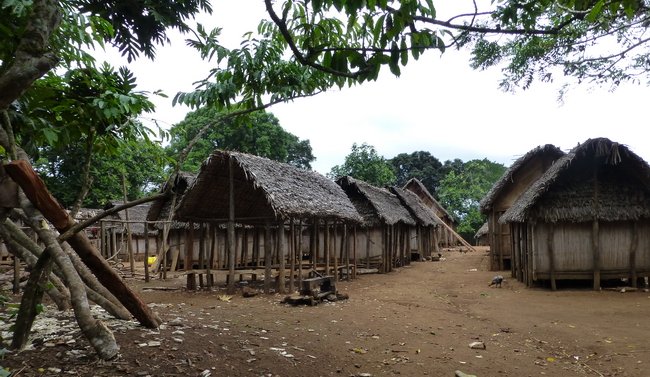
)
(151, 260)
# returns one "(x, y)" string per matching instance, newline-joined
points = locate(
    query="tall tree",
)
(366, 164)
(421, 165)
(257, 133)
(461, 191)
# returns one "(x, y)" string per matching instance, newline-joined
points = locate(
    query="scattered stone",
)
(462, 374)
(477, 345)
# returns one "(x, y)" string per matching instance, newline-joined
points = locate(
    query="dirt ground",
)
(416, 321)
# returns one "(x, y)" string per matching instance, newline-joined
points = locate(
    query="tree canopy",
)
(421, 165)
(364, 163)
(257, 133)
(461, 190)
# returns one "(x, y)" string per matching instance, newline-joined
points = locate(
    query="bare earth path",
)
(417, 321)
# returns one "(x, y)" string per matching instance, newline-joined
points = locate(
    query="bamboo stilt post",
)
(129, 239)
(281, 257)
(102, 238)
(231, 227)
(201, 253)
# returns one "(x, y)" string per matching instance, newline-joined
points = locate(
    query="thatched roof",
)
(160, 209)
(567, 191)
(416, 186)
(548, 151)
(376, 205)
(416, 207)
(483, 230)
(136, 213)
(264, 190)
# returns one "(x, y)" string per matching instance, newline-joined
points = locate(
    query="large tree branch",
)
(33, 57)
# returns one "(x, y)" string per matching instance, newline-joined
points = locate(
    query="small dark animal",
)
(496, 281)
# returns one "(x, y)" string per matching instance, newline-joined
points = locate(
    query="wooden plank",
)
(551, 256)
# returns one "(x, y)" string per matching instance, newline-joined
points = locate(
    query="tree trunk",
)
(32, 297)
(99, 336)
(23, 174)
(57, 292)
(32, 58)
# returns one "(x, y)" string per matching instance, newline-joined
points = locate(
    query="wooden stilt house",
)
(446, 235)
(586, 217)
(271, 217)
(386, 225)
(514, 181)
(422, 238)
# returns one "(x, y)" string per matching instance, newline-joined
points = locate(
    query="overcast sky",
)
(439, 105)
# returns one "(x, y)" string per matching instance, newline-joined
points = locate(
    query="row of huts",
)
(581, 215)
(251, 216)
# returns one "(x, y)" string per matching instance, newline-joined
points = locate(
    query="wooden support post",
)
(201, 254)
(231, 228)
(281, 258)
(267, 258)
(346, 242)
(146, 252)
(595, 234)
(551, 255)
(189, 257)
(129, 238)
(102, 239)
(300, 254)
(340, 253)
(354, 252)
(326, 246)
(292, 255)
(633, 246)
(368, 247)
(213, 250)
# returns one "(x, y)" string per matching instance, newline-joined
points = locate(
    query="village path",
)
(416, 321)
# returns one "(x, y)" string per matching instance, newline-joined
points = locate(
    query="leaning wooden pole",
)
(36, 191)
(231, 228)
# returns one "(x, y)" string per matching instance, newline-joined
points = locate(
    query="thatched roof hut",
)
(514, 181)
(160, 209)
(376, 205)
(417, 187)
(567, 190)
(588, 216)
(264, 190)
(137, 216)
(416, 207)
(481, 235)
(538, 159)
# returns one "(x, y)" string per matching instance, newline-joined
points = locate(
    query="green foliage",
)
(421, 165)
(142, 161)
(257, 133)
(364, 163)
(462, 189)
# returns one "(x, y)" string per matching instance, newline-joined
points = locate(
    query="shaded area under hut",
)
(514, 181)
(423, 237)
(587, 217)
(252, 216)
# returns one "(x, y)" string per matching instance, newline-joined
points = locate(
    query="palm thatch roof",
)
(376, 205)
(416, 207)
(416, 186)
(264, 190)
(160, 209)
(483, 230)
(598, 179)
(548, 150)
